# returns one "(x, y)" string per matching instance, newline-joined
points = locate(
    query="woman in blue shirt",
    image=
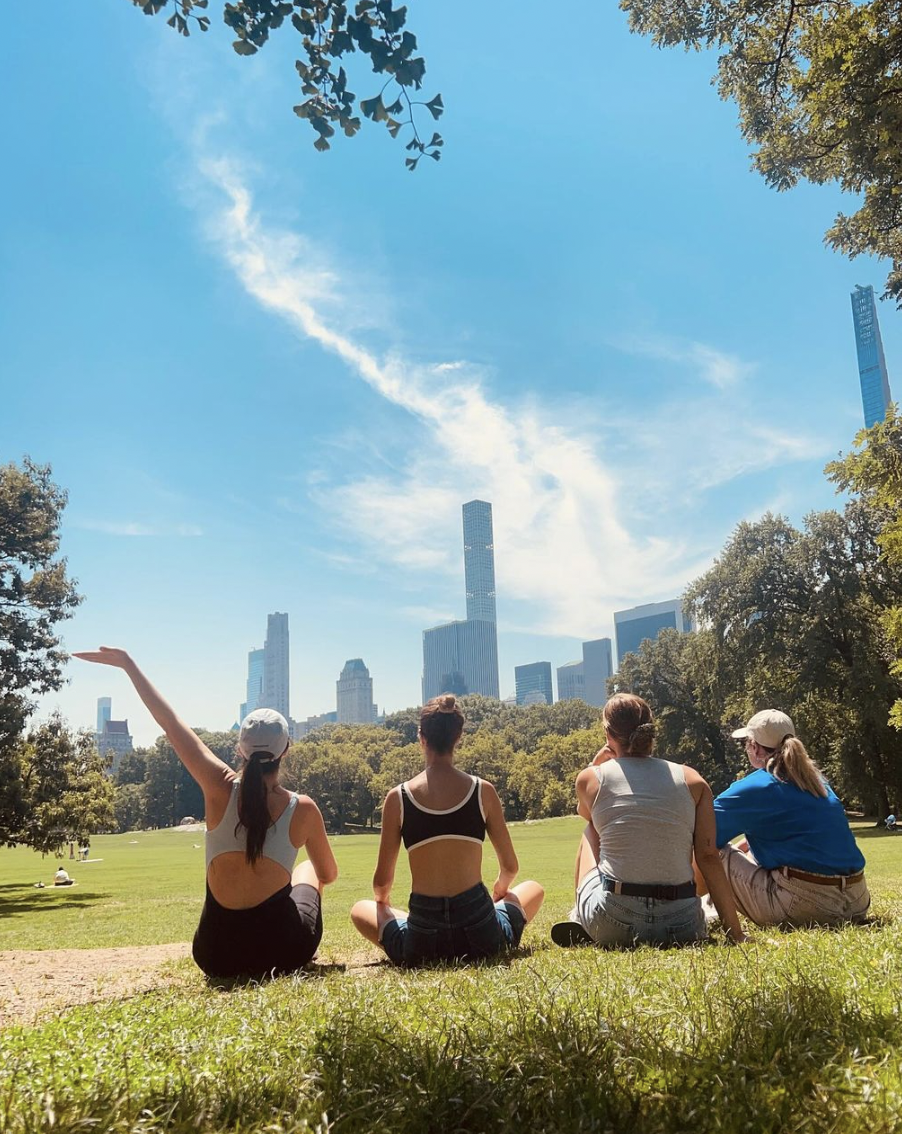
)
(799, 864)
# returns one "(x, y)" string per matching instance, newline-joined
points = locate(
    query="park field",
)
(790, 1032)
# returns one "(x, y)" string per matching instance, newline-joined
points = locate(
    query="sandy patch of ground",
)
(36, 982)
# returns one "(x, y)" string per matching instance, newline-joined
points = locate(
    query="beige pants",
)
(768, 897)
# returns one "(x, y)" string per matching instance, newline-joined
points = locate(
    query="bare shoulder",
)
(586, 778)
(696, 783)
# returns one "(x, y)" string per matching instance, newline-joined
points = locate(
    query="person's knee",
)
(363, 915)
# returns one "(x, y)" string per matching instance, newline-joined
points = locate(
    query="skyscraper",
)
(633, 627)
(534, 683)
(872, 372)
(104, 712)
(598, 667)
(571, 682)
(354, 694)
(255, 668)
(275, 665)
(479, 561)
(460, 657)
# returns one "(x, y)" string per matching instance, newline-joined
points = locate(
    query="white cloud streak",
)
(716, 367)
(129, 528)
(562, 543)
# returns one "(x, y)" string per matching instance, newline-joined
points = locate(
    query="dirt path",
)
(33, 983)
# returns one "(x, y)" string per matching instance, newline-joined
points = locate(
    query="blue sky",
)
(269, 377)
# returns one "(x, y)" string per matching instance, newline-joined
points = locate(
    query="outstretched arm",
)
(207, 769)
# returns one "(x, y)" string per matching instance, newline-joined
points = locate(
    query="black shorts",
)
(279, 936)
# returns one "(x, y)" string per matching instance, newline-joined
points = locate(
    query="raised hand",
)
(106, 655)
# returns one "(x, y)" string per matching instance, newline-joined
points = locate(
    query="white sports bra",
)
(277, 845)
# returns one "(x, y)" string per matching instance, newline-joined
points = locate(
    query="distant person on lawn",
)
(800, 864)
(442, 816)
(647, 817)
(262, 913)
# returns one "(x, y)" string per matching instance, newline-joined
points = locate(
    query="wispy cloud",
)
(716, 367)
(570, 540)
(129, 528)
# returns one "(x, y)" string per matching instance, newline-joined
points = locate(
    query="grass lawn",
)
(792, 1032)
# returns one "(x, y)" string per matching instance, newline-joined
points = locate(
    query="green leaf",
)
(373, 108)
(437, 140)
(393, 127)
(321, 144)
(242, 47)
(435, 106)
(411, 163)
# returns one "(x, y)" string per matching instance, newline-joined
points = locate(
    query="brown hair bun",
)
(441, 723)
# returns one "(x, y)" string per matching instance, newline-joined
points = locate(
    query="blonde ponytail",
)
(792, 764)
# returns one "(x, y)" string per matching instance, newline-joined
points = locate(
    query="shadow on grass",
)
(22, 899)
(780, 1059)
(877, 833)
(312, 971)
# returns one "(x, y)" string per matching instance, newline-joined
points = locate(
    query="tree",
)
(874, 471)
(57, 790)
(132, 767)
(818, 90)
(329, 33)
(35, 595)
(129, 807)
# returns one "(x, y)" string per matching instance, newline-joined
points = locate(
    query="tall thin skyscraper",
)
(104, 712)
(479, 561)
(256, 663)
(462, 657)
(872, 372)
(275, 664)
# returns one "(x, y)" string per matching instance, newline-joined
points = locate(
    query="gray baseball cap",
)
(769, 728)
(264, 732)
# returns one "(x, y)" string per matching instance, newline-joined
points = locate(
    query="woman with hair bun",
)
(647, 819)
(262, 913)
(442, 816)
(800, 864)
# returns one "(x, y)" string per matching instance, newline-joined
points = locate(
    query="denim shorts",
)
(619, 919)
(468, 926)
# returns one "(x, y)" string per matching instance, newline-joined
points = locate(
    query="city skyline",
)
(578, 350)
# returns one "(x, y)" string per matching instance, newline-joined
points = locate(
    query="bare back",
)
(446, 866)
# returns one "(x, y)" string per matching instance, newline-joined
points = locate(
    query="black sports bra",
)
(421, 825)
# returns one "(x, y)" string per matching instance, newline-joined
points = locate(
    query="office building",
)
(640, 623)
(533, 683)
(114, 740)
(479, 561)
(872, 372)
(354, 694)
(254, 692)
(104, 712)
(460, 657)
(571, 682)
(299, 729)
(275, 665)
(598, 669)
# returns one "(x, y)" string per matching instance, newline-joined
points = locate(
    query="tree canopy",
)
(330, 33)
(817, 83)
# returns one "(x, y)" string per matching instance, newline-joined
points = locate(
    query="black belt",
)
(638, 890)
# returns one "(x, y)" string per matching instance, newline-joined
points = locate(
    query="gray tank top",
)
(645, 818)
(277, 845)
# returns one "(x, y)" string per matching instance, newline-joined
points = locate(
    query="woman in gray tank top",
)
(647, 819)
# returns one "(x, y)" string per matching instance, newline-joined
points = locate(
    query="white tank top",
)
(645, 818)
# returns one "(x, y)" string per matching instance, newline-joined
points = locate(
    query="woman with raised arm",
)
(647, 819)
(262, 913)
(800, 864)
(442, 816)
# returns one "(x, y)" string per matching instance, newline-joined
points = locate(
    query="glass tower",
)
(534, 683)
(632, 627)
(275, 664)
(479, 561)
(875, 395)
(460, 658)
(255, 668)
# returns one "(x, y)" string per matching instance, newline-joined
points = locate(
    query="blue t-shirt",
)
(786, 826)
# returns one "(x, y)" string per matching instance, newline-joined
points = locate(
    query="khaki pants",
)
(768, 897)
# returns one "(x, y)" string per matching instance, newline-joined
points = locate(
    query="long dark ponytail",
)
(253, 809)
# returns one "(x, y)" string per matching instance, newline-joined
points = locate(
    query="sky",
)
(269, 378)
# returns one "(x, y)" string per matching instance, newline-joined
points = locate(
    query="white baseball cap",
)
(264, 732)
(769, 728)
